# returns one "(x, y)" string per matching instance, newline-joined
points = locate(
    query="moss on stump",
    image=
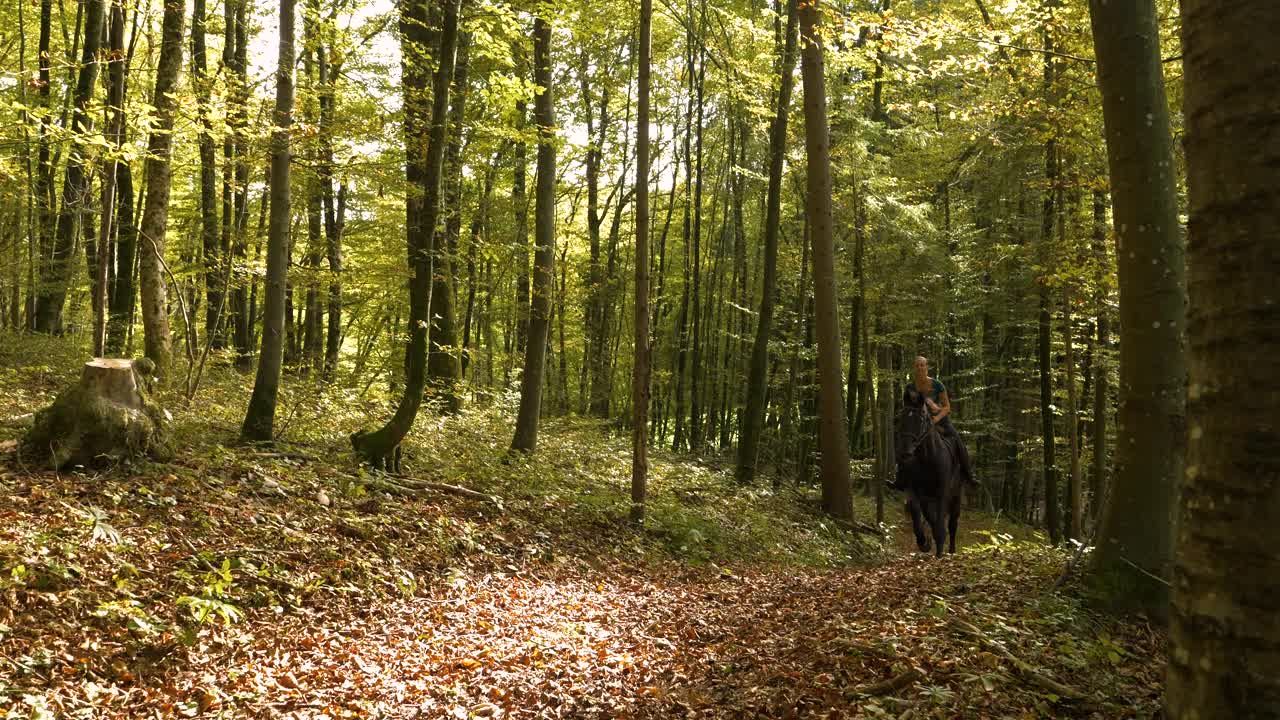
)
(104, 418)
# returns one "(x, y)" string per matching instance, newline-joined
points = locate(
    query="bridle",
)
(918, 439)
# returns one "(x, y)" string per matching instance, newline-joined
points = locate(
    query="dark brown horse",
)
(930, 472)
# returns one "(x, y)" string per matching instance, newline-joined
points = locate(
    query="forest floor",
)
(239, 581)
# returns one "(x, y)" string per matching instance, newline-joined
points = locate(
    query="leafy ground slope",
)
(284, 582)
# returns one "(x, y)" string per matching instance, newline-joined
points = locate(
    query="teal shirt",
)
(938, 390)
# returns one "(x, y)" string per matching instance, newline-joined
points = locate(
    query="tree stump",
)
(106, 417)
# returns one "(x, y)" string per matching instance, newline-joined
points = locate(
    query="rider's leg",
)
(962, 452)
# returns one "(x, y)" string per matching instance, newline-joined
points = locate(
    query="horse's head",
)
(913, 424)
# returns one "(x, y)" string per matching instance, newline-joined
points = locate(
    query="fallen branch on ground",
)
(1034, 676)
(406, 485)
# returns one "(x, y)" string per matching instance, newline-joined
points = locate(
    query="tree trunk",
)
(836, 491)
(640, 369)
(424, 168)
(1074, 505)
(526, 433)
(1052, 511)
(1225, 634)
(521, 207)
(208, 180)
(75, 184)
(479, 223)
(757, 380)
(155, 213)
(1098, 478)
(695, 362)
(44, 171)
(1150, 423)
(444, 366)
(236, 192)
(115, 135)
(259, 421)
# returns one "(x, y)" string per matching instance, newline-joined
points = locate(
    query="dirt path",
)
(558, 642)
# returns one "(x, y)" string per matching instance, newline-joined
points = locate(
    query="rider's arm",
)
(945, 410)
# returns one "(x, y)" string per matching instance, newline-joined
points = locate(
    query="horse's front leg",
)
(953, 521)
(938, 523)
(917, 522)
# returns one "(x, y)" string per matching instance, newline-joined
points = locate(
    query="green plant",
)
(211, 602)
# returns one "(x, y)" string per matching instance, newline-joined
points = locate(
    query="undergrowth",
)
(111, 575)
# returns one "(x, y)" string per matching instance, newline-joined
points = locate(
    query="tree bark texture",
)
(640, 369)
(259, 421)
(544, 258)
(757, 377)
(424, 168)
(1149, 449)
(155, 212)
(1225, 630)
(836, 488)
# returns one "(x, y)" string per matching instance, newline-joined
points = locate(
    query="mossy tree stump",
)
(105, 417)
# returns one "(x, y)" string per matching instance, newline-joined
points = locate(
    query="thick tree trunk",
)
(757, 377)
(836, 491)
(1225, 630)
(155, 213)
(259, 421)
(424, 167)
(1130, 555)
(526, 433)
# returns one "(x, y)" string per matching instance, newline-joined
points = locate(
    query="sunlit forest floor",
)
(238, 581)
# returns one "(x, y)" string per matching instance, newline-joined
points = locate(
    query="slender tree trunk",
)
(479, 222)
(260, 419)
(836, 491)
(640, 369)
(115, 135)
(208, 179)
(424, 167)
(75, 184)
(1101, 407)
(444, 367)
(520, 206)
(1224, 635)
(695, 406)
(757, 380)
(1151, 420)
(526, 433)
(43, 239)
(155, 213)
(1052, 511)
(1074, 497)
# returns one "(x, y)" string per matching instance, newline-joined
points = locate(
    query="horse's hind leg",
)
(953, 521)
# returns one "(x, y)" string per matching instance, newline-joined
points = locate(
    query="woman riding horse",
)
(938, 402)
